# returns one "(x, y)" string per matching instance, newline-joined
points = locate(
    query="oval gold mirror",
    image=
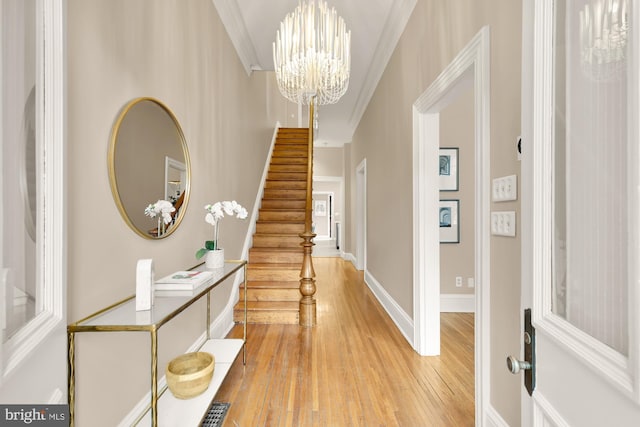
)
(149, 161)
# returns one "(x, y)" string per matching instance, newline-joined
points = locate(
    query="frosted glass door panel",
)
(594, 207)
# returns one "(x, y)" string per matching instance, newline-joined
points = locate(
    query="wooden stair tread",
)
(258, 284)
(283, 205)
(277, 250)
(279, 266)
(273, 305)
(278, 221)
(275, 255)
(272, 235)
(291, 149)
(279, 193)
(274, 209)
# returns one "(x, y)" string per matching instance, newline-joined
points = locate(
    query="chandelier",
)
(604, 27)
(311, 55)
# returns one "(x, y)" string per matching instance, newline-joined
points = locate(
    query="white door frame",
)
(361, 215)
(470, 69)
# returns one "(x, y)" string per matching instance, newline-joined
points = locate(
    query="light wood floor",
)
(353, 369)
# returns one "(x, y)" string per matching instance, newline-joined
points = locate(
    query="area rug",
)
(215, 415)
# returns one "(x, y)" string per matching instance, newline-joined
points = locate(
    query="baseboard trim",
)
(457, 303)
(397, 314)
(349, 257)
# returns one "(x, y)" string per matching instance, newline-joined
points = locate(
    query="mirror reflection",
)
(149, 162)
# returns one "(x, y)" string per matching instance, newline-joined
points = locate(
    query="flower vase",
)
(215, 259)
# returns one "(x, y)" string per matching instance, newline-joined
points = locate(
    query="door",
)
(361, 215)
(322, 214)
(33, 368)
(580, 212)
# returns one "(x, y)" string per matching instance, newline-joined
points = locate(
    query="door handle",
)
(528, 364)
(514, 365)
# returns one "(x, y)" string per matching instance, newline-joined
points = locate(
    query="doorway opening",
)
(470, 69)
(323, 215)
(361, 215)
(328, 242)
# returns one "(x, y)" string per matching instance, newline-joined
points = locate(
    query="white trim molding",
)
(398, 315)
(348, 256)
(231, 17)
(396, 22)
(248, 240)
(361, 216)
(469, 69)
(457, 303)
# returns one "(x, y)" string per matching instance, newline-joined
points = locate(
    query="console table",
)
(123, 316)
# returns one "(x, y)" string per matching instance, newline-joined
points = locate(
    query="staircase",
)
(275, 259)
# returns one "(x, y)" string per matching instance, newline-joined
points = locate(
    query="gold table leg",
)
(154, 377)
(72, 377)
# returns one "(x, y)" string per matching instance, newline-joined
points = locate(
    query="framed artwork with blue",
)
(449, 217)
(448, 169)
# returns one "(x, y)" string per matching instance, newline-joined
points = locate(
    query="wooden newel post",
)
(307, 275)
(307, 284)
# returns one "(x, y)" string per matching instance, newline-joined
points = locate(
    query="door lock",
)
(528, 364)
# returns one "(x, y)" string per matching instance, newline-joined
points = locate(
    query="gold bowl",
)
(190, 374)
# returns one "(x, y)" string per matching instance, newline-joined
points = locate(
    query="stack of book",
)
(182, 283)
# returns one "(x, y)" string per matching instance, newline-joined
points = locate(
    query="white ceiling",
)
(376, 26)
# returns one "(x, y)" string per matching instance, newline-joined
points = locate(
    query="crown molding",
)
(230, 15)
(391, 33)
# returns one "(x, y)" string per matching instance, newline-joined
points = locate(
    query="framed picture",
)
(449, 216)
(448, 169)
(320, 208)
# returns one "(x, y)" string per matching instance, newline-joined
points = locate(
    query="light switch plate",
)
(503, 223)
(505, 189)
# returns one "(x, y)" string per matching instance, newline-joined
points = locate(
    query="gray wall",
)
(178, 52)
(328, 161)
(436, 32)
(457, 259)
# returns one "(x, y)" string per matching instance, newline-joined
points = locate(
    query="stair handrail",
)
(307, 315)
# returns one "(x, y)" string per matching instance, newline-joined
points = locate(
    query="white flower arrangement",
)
(214, 214)
(163, 208)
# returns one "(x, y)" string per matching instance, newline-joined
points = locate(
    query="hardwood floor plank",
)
(353, 369)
